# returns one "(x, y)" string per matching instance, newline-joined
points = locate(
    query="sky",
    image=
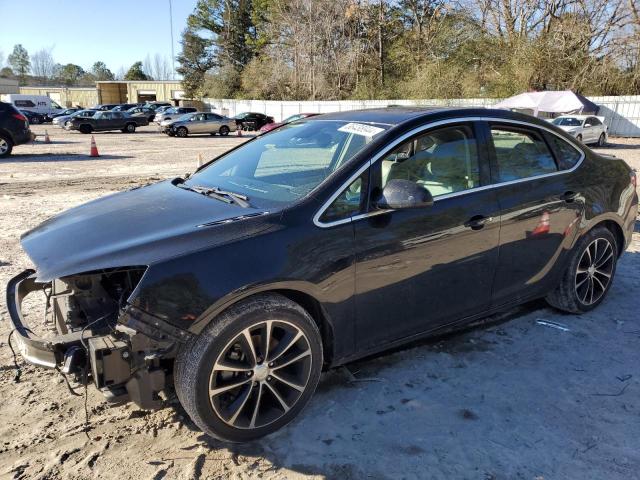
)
(117, 32)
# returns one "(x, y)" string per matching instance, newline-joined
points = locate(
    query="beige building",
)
(66, 97)
(109, 92)
(137, 91)
(8, 86)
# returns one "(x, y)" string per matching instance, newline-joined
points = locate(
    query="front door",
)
(418, 269)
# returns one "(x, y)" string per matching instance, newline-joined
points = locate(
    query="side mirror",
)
(399, 194)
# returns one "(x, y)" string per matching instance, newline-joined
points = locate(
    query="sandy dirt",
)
(512, 399)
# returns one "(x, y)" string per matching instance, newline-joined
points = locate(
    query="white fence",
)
(622, 113)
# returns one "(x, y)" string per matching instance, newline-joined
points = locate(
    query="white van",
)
(33, 103)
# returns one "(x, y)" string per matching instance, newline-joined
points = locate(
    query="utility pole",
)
(173, 57)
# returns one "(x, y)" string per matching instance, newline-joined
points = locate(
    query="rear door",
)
(540, 206)
(213, 122)
(419, 269)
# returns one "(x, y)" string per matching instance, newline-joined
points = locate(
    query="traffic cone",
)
(94, 148)
(46, 137)
(239, 130)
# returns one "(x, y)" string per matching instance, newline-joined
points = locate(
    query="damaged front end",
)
(100, 337)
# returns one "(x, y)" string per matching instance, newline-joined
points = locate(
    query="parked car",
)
(103, 107)
(105, 120)
(148, 112)
(273, 125)
(14, 129)
(65, 112)
(252, 120)
(63, 119)
(41, 104)
(199, 122)
(172, 112)
(588, 129)
(33, 117)
(318, 244)
(123, 107)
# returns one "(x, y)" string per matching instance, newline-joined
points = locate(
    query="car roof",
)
(396, 115)
(574, 116)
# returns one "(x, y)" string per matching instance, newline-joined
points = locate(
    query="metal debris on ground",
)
(547, 323)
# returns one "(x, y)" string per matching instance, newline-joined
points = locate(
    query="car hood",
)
(568, 128)
(138, 227)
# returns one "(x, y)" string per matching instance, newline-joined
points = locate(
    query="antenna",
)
(173, 57)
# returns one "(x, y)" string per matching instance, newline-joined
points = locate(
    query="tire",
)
(579, 137)
(182, 132)
(36, 121)
(6, 146)
(85, 129)
(300, 361)
(130, 128)
(582, 273)
(224, 130)
(601, 140)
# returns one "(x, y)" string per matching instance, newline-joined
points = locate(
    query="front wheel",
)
(6, 145)
(589, 274)
(182, 132)
(252, 370)
(130, 128)
(85, 129)
(35, 120)
(601, 140)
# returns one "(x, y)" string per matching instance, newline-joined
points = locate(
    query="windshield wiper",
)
(219, 194)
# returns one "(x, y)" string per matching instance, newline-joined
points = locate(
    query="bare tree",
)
(42, 64)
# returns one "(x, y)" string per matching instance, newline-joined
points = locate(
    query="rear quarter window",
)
(567, 156)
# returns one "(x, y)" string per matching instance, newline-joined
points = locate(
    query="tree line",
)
(368, 49)
(42, 69)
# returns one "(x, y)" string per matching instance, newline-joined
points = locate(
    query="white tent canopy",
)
(564, 101)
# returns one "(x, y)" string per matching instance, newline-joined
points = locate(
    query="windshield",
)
(240, 116)
(567, 122)
(287, 164)
(171, 110)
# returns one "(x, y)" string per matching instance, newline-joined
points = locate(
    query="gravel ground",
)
(511, 399)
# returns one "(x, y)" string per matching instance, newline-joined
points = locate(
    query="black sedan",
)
(327, 240)
(252, 120)
(34, 117)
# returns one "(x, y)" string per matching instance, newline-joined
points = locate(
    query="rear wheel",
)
(6, 145)
(182, 132)
(130, 128)
(252, 370)
(224, 130)
(589, 274)
(601, 140)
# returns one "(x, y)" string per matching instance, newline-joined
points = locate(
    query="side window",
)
(24, 103)
(107, 116)
(567, 155)
(213, 116)
(117, 115)
(521, 154)
(443, 160)
(347, 204)
(594, 121)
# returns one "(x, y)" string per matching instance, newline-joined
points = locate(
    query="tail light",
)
(19, 116)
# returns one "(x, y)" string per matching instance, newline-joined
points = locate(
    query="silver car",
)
(200, 122)
(172, 112)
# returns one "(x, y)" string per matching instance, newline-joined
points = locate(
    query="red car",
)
(270, 126)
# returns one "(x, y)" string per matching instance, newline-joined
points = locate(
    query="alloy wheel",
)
(260, 374)
(594, 271)
(4, 146)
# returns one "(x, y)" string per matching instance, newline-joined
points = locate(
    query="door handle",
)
(568, 196)
(477, 222)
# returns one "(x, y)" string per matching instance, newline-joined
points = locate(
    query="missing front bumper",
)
(125, 364)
